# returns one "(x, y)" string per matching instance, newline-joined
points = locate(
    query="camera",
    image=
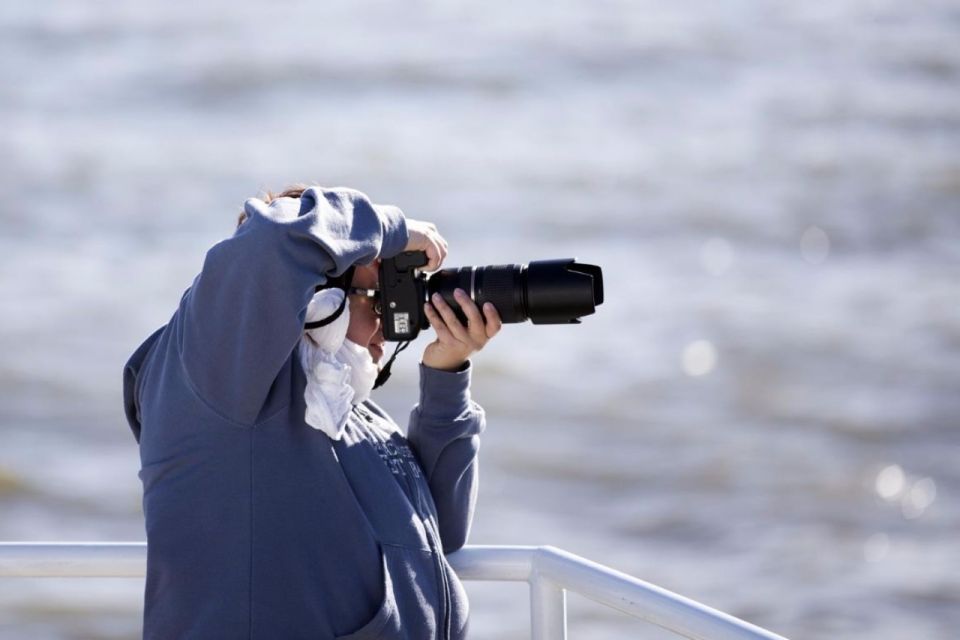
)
(544, 291)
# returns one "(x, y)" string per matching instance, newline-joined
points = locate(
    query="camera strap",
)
(384, 374)
(342, 282)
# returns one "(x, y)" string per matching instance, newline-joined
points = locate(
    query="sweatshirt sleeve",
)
(444, 431)
(244, 314)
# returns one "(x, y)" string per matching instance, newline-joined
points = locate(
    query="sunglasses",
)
(372, 294)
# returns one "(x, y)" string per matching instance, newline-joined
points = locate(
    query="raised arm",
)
(244, 315)
(444, 432)
(445, 426)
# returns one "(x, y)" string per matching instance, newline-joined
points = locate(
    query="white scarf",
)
(340, 373)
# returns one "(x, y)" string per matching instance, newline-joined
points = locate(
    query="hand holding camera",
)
(423, 236)
(456, 341)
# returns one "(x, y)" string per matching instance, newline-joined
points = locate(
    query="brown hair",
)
(293, 191)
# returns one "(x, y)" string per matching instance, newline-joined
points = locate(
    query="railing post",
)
(548, 610)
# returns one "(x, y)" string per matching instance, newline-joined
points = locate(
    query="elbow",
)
(453, 541)
(455, 531)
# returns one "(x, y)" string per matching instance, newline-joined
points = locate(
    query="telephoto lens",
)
(544, 291)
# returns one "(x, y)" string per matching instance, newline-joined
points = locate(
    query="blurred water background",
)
(763, 415)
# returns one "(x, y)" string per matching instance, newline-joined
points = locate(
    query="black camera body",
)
(544, 292)
(402, 294)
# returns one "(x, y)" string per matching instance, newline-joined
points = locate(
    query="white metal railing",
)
(550, 573)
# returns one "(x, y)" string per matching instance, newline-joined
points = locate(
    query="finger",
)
(442, 248)
(432, 250)
(450, 318)
(474, 319)
(433, 258)
(443, 334)
(494, 323)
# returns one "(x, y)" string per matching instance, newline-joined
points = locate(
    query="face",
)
(364, 328)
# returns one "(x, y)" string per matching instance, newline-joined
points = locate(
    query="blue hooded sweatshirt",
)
(259, 526)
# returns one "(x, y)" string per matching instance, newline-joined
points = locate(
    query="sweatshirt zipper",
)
(444, 584)
(433, 533)
(433, 539)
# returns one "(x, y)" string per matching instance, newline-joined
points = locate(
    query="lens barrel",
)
(545, 291)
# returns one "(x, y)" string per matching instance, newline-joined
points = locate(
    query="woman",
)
(279, 502)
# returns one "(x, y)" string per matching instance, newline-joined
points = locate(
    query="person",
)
(273, 508)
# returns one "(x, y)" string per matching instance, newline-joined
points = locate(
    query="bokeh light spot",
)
(699, 358)
(918, 498)
(890, 482)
